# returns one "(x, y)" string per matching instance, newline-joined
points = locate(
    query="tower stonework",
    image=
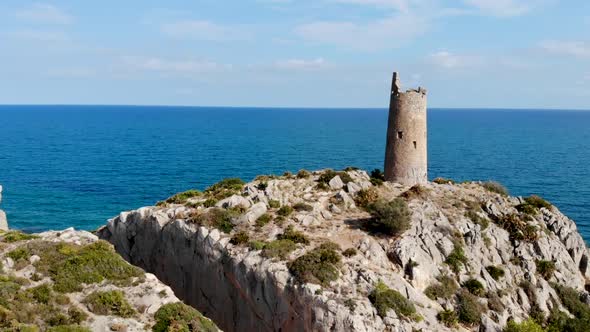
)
(406, 152)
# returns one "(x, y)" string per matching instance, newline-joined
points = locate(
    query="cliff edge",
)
(345, 251)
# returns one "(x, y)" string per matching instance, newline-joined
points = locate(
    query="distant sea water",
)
(65, 166)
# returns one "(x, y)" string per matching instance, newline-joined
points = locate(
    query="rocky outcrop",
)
(3, 220)
(48, 279)
(462, 231)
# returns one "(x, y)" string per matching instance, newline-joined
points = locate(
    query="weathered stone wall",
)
(406, 155)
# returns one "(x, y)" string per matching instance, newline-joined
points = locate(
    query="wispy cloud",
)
(503, 8)
(205, 30)
(401, 5)
(42, 13)
(569, 48)
(40, 35)
(385, 33)
(448, 60)
(301, 64)
(174, 67)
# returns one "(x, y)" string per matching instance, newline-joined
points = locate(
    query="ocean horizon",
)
(72, 165)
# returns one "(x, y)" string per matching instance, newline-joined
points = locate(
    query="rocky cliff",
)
(343, 251)
(3, 221)
(69, 281)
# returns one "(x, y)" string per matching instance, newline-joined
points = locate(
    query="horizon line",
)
(299, 107)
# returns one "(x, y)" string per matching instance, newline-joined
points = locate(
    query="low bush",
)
(456, 258)
(377, 177)
(240, 237)
(109, 303)
(16, 236)
(256, 245)
(469, 310)
(329, 174)
(495, 187)
(477, 219)
(293, 235)
(263, 220)
(518, 229)
(474, 287)
(448, 317)
(384, 299)
(302, 207)
(19, 253)
(443, 181)
(528, 325)
(278, 248)
(68, 328)
(350, 252)
(392, 218)
(225, 188)
(414, 192)
(181, 198)
(179, 317)
(495, 272)
(285, 211)
(545, 268)
(366, 197)
(495, 303)
(70, 266)
(537, 202)
(216, 217)
(274, 204)
(262, 186)
(319, 265)
(444, 289)
(41, 293)
(303, 174)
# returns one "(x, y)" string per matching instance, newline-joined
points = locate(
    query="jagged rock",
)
(255, 212)
(233, 202)
(3, 221)
(259, 293)
(336, 183)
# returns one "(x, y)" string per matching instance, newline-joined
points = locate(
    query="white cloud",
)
(40, 35)
(165, 66)
(450, 60)
(205, 30)
(502, 8)
(301, 64)
(402, 5)
(386, 33)
(570, 48)
(43, 13)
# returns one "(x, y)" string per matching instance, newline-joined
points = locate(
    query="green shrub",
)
(443, 181)
(329, 174)
(293, 235)
(384, 299)
(366, 197)
(76, 316)
(448, 317)
(474, 287)
(414, 192)
(71, 265)
(256, 245)
(495, 187)
(518, 229)
(545, 268)
(274, 204)
(495, 303)
(263, 220)
(477, 219)
(303, 207)
(319, 265)
(377, 177)
(16, 236)
(528, 325)
(262, 186)
(456, 258)
(444, 289)
(278, 248)
(303, 174)
(179, 317)
(20, 253)
(350, 252)
(392, 218)
(109, 303)
(285, 211)
(495, 272)
(181, 198)
(240, 237)
(469, 310)
(537, 202)
(216, 217)
(41, 293)
(570, 298)
(225, 188)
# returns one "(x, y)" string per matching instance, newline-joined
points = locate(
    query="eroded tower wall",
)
(406, 154)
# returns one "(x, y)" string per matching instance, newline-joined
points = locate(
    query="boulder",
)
(233, 202)
(255, 212)
(336, 183)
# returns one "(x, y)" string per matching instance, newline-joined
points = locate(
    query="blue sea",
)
(65, 166)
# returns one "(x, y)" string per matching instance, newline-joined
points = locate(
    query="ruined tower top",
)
(406, 150)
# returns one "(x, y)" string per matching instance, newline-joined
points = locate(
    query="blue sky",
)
(326, 53)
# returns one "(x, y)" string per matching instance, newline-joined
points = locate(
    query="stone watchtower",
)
(406, 151)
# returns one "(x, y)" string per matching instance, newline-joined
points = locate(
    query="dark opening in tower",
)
(400, 134)
(415, 145)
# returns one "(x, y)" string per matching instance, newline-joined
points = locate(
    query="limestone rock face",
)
(242, 289)
(3, 220)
